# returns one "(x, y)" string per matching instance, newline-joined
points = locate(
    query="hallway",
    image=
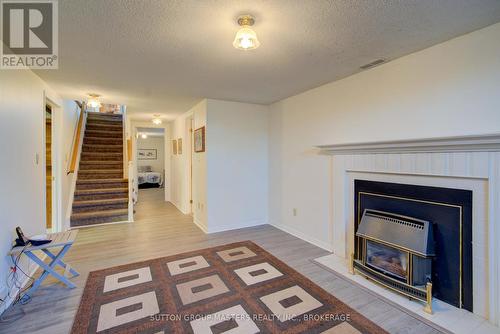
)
(160, 230)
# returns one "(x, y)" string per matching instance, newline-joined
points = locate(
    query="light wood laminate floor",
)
(161, 230)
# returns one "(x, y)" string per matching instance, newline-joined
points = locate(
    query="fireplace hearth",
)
(397, 252)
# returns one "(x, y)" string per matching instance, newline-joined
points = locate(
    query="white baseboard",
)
(178, 207)
(321, 244)
(217, 229)
(251, 223)
(31, 270)
(200, 226)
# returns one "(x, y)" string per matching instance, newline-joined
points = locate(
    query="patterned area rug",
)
(234, 288)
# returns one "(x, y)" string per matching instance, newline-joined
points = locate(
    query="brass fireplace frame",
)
(357, 261)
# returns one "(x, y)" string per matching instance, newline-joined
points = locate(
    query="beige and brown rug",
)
(234, 288)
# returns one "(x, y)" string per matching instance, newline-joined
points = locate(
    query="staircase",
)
(101, 193)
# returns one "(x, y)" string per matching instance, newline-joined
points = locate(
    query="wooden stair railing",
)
(77, 138)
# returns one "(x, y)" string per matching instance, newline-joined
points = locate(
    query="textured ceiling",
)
(159, 56)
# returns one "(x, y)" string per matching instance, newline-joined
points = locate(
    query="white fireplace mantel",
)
(471, 143)
(447, 160)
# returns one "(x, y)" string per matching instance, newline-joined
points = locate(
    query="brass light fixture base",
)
(246, 20)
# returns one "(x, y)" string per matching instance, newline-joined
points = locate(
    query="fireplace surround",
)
(469, 163)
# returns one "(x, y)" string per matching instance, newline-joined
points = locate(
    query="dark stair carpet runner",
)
(101, 194)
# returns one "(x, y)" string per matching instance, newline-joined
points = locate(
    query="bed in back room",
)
(147, 178)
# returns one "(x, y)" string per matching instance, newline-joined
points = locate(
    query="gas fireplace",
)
(397, 253)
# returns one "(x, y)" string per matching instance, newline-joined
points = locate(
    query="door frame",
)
(57, 164)
(189, 143)
(134, 125)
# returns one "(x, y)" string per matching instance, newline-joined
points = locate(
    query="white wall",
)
(199, 113)
(22, 178)
(230, 178)
(446, 90)
(157, 143)
(237, 165)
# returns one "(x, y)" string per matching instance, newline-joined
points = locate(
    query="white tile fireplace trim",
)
(466, 167)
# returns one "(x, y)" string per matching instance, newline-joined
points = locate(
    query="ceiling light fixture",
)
(246, 38)
(144, 136)
(93, 100)
(156, 119)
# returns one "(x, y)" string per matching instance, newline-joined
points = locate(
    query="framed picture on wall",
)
(174, 146)
(179, 146)
(199, 139)
(147, 154)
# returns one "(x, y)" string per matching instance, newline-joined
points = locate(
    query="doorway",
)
(150, 153)
(49, 167)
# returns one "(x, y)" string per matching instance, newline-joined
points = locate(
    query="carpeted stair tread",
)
(111, 156)
(102, 133)
(101, 185)
(84, 167)
(104, 119)
(101, 162)
(111, 125)
(90, 197)
(107, 128)
(99, 176)
(102, 139)
(99, 130)
(98, 220)
(92, 118)
(102, 124)
(102, 148)
(100, 201)
(99, 214)
(103, 145)
(102, 115)
(93, 205)
(101, 190)
(100, 171)
(107, 140)
(97, 146)
(100, 181)
(104, 165)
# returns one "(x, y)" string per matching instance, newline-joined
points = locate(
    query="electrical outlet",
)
(294, 212)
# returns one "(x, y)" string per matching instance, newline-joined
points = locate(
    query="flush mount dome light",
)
(246, 38)
(144, 136)
(93, 100)
(156, 119)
